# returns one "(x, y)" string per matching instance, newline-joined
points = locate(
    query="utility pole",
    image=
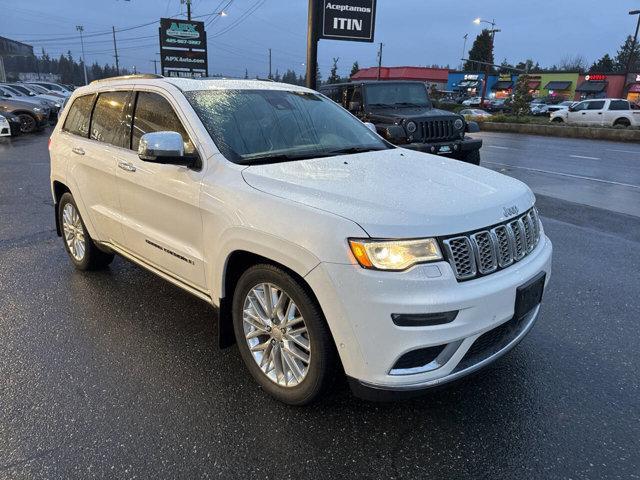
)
(188, 2)
(270, 64)
(492, 32)
(80, 28)
(631, 52)
(155, 66)
(379, 60)
(312, 45)
(464, 49)
(115, 49)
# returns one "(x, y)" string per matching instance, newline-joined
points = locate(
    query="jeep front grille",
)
(434, 130)
(488, 250)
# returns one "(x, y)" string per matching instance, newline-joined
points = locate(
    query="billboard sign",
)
(183, 48)
(352, 20)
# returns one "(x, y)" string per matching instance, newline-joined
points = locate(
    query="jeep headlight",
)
(458, 124)
(394, 255)
(411, 127)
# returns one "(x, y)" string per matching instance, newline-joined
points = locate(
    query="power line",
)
(246, 14)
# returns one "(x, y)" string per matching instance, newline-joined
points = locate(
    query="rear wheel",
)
(282, 335)
(28, 123)
(82, 251)
(622, 122)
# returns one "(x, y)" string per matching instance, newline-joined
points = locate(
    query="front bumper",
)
(359, 303)
(454, 146)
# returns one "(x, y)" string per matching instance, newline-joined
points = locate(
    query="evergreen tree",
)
(521, 96)
(622, 57)
(481, 51)
(605, 64)
(354, 69)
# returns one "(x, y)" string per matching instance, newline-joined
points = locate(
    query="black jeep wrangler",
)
(403, 114)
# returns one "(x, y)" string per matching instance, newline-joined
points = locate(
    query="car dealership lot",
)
(116, 373)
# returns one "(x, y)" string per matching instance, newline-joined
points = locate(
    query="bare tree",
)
(573, 63)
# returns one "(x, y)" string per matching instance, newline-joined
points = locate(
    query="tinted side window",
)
(107, 123)
(77, 121)
(619, 105)
(599, 105)
(154, 114)
(580, 106)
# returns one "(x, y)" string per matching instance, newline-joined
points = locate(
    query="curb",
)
(593, 133)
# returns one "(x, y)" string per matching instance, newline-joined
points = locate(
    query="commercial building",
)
(431, 76)
(600, 85)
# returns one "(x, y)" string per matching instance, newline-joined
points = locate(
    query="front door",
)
(160, 203)
(577, 115)
(595, 113)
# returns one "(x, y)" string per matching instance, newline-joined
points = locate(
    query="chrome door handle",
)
(129, 167)
(77, 151)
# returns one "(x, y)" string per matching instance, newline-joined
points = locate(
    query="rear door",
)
(92, 170)
(160, 203)
(595, 112)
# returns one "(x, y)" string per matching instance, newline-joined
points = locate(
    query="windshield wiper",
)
(379, 105)
(410, 104)
(280, 157)
(350, 150)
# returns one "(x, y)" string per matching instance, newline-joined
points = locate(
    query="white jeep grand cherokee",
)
(322, 245)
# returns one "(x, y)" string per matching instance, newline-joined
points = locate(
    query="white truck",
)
(600, 112)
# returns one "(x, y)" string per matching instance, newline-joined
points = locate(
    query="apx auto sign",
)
(348, 20)
(183, 48)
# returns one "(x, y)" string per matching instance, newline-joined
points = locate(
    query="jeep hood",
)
(397, 192)
(396, 114)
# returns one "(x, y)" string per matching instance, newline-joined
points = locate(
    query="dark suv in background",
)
(403, 114)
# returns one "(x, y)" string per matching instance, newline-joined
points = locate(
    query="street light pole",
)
(493, 31)
(633, 48)
(80, 28)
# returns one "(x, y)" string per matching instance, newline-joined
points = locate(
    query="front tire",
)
(79, 245)
(28, 123)
(282, 335)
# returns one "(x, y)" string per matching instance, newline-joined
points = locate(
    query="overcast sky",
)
(414, 32)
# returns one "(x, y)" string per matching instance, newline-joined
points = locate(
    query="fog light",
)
(455, 147)
(433, 149)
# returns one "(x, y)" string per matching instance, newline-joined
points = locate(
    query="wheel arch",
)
(622, 120)
(58, 189)
(235, 263)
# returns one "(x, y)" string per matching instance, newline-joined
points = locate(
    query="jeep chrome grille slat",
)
(486, 251)
(436, 130)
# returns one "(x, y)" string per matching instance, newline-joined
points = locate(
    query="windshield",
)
(397, 94)
(22, 89)
(13, 90)
(38, 88)
(257, 126)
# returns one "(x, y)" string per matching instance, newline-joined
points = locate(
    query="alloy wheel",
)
(73, 232)
(276, 334)
(27, 123)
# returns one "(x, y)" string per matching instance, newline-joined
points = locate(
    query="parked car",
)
(53, 103)
(33, 92)
(474, 112)
(502, 105)
(325, 248)
(403, 114)
(600, 112)
(33, 115)
(42, 90)
(9, 125)
(560, 106)
(472, 102)
(539, 109)
(54, 87)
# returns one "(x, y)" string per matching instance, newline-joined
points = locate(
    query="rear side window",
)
(619, 105)
(154, 114)
(107, 123)
(77, 121)
(596, 105)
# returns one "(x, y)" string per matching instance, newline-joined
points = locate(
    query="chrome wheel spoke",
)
(73, 232)
(276, 334)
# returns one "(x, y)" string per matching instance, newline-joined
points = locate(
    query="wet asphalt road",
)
(116, 374)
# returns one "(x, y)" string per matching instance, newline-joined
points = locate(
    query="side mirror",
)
(164, 147)
(371, 127)
(473, 127)
(354, 106)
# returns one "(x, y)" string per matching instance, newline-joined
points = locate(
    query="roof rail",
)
(129, 77)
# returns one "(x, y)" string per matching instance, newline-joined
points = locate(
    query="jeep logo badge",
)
(510, 211)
